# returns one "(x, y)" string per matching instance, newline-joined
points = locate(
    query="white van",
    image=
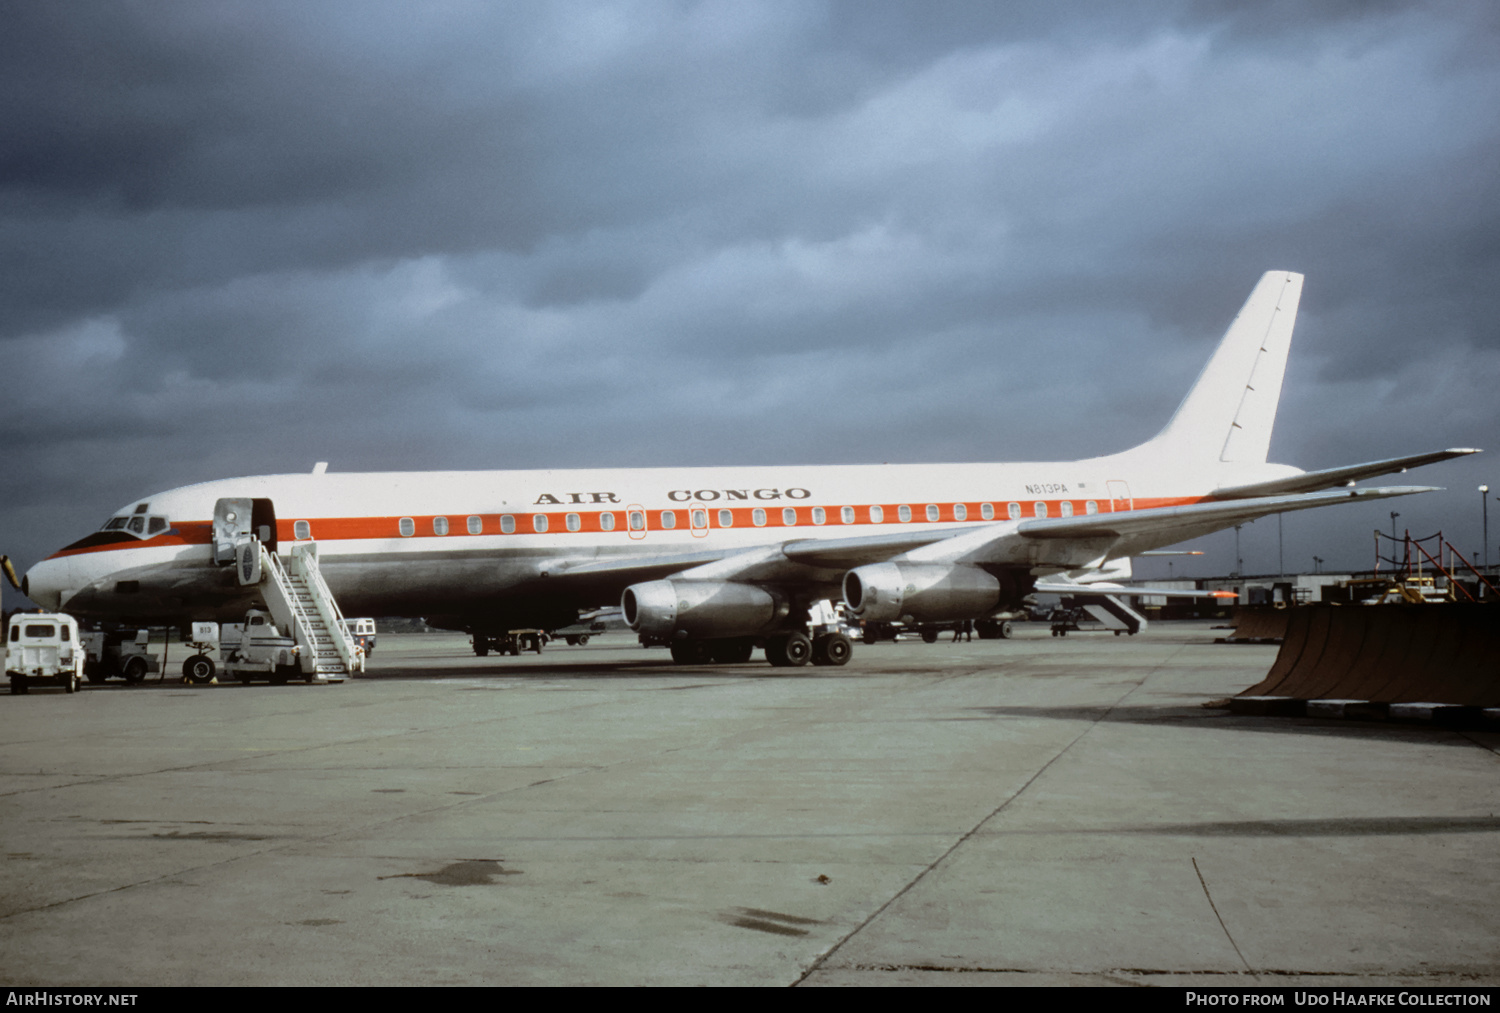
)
(43, 647)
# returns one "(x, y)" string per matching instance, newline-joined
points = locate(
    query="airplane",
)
(717, 561)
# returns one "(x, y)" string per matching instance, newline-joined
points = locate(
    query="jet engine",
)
(925, 592)
(701, 609)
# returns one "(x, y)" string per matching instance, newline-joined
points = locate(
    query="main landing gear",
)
(783, 650)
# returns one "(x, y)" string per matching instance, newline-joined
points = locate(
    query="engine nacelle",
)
(700, 609)
(924, 592)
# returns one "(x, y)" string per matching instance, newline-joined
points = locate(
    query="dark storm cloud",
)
(240, 238)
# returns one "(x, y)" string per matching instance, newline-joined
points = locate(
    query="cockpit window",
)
(138, 525)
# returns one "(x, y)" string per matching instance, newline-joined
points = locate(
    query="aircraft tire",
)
(134, 671)
(692, 652)
(789, 650)
(198, 669)
(731, 651)
(834, 649)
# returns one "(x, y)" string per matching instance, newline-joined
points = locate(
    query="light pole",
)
(1239, 564)
(1484, 502)
(1317, 564)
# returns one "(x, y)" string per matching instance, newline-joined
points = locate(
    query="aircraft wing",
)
(1054, 543)
(1069, 542)
(1328, 478)
(1068, 587)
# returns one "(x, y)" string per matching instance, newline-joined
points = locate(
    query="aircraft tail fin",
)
(1228, 414)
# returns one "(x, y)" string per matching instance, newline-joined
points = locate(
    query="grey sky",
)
(240, 238)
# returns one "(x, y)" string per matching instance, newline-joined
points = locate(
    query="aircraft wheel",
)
(789, 650)
(834, 649)
(1005, 630)
(732, 650)
(198, 669)
(135, 670)
(692, 652)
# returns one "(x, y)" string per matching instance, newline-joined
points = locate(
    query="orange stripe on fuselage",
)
(365, 528)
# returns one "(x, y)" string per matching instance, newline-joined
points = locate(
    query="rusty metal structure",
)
(1388, 654)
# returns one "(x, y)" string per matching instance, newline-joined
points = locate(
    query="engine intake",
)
(700, 609)
(924, 592)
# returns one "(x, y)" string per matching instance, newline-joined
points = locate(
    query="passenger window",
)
(1014, 509)
(637, 521)
(877, 515)
(987, 511)
(846, 514)
(507, 524)
(407, 526)
(668, 520)
(1091, 507)
(904, 513)
(726, 518)
(932, 512)
(539, 523)
(758, 517)
(960, 512)
(440, 525)
(819, 516)
(1039, 509)
(573, 522)
(302, 531)
(1067, 508)
(606, 521)
(476, 525)
(789, 516)
(700, 519)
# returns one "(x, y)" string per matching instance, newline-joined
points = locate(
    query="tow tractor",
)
(511, 642)
(43, 648)
(126, 653)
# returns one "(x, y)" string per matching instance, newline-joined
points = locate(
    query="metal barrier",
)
(1389, 654)
(1258, 623)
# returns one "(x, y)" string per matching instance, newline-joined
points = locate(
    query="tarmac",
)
(1037, 811)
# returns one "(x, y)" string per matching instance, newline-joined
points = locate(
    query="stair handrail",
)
(305, 565)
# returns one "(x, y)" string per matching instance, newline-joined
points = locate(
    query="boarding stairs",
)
(299, 601)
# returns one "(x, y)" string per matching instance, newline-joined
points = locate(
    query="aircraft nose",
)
(44, 583)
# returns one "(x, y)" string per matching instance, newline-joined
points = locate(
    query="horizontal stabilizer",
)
(1329, 478)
